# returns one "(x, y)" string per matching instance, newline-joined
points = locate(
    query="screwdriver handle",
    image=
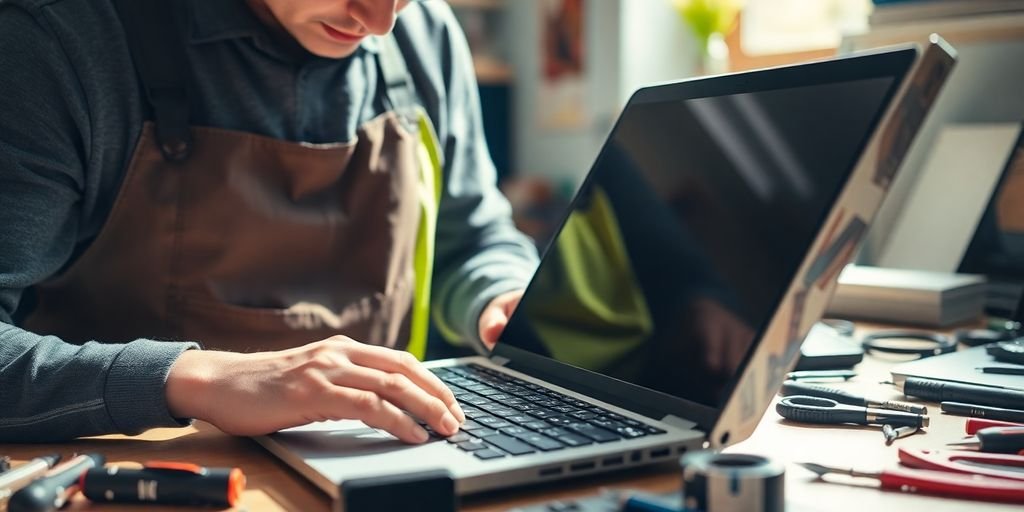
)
(973, 425)
(1001, 439)
(813, 409)
(792, 387)
(944, 391)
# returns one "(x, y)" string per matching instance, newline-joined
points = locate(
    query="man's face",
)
(333, 28)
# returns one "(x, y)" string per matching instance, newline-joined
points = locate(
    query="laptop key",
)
(493, 422)
(536, 424)
(555, 432)
(488, 453)
(471, 425)
(515, 431)
(458, 437)
(561, 420)
(630, 432)
(574, 440)
(510, 444)
(580, 415)
(653, 430)
(543, 413)
(519, 419)
(473, 445)
(597, 434)
(543, 443)
(484, 432)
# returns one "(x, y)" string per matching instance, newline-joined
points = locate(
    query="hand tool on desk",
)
(51, 491)
(937, 483)
(13, 480)
(1007, 351)
(792, 387)
(892, 433)
(995, 440)
(973, 425)
(1001, 370)
(821, 374)
(981, 411)
(995, 465)
(947, 391)
(812, 409)
(172, 483)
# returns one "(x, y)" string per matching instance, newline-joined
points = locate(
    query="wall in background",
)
(627, 44)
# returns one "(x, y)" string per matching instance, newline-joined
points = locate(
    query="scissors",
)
(813, 409)
(966, 475)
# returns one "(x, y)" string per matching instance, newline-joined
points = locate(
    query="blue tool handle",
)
(1001, 439)
(812, 409)
(942, 391)
(792, 387)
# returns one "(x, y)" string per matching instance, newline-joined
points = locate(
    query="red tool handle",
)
(952, 485)
(975, 424)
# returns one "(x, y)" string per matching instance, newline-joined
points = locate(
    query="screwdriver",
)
(995, 440)
(792, 387)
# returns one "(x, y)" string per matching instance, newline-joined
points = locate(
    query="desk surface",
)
(272, 486)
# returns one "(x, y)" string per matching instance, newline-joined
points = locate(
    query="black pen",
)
(1001, 370)
(980, 411)
(947, 391)
(13, 480)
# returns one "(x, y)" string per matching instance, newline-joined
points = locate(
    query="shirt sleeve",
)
(480, 253)
(52, 390)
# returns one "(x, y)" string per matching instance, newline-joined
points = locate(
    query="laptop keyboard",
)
(506, 416)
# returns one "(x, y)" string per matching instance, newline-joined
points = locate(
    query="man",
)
(254, 176)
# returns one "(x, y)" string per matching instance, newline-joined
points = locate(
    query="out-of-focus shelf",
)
(491, 71)
(478, 4)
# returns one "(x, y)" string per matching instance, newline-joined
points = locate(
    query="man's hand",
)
(337, 378)
(495, 316)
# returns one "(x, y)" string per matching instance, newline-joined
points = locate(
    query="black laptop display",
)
(692, 223)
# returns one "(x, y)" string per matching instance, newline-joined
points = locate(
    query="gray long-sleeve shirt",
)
(70, 113)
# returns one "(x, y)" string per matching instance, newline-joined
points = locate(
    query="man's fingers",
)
(400, 391)
(376, 412)
(396, 361)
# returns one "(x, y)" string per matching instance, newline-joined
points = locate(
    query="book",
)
(912, 297)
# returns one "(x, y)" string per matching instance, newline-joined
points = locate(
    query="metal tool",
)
(724, 482)
(52, 491)
(995, 440)
(995, 465)
(812, 409)
(13, 480)
(947, 391)
(792, 387)
(821, 374)
(981, 411)
(938, 483)
(892, 433)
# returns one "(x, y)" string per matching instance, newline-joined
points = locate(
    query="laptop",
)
(699, 251)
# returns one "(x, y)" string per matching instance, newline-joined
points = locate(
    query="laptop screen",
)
(692, 223)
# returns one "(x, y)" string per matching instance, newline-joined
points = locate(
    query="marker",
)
(171, 483)
(13, 480)
(1001, 370)
(54, 489)
(981, 411)
(947, 391)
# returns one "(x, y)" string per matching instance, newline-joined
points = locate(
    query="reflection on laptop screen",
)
(689, 229)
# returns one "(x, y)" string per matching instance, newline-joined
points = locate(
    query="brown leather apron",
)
(245, 243)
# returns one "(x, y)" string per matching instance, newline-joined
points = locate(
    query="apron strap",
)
(399, 91)
(151, 27)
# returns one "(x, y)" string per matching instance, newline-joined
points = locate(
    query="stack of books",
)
(929, 299)
(890, 12)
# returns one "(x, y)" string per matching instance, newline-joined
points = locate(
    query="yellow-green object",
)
(706, 17)
(429, 157)
(586, 306)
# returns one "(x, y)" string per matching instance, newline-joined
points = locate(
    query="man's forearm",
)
(52, 391)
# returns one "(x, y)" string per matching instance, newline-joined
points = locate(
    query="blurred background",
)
(554, 74)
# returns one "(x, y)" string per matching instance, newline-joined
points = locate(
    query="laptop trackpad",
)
(347, 438)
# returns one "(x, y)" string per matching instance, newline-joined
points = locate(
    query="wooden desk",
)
(273, 486)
